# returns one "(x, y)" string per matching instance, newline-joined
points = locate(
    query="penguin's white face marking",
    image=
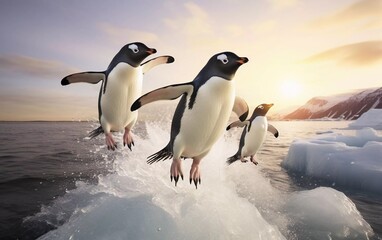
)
(223, 58)
(134, 48)
(261, 107)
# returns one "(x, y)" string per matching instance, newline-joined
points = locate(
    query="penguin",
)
(253, 135)
(121, 85)
(201, 114)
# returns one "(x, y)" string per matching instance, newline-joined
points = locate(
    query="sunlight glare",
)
(290, 88)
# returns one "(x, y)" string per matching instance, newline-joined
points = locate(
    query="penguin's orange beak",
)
(242, 60)
(151, 51)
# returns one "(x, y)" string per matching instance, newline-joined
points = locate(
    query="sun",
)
(290, 88)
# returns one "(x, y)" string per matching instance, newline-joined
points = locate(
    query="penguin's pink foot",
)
(110, 143)
(176, 170)
(254, 160)
(128, 139)
(195, 174)
(243, 160)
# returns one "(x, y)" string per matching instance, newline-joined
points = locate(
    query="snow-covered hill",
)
(348, 106)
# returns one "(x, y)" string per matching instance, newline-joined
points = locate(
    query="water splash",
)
(138, 201)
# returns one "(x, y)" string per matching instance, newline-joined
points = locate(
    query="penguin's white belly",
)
(124, 85)
(255, 138)
(202, 125)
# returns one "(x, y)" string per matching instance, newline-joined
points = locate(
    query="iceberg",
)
(325, 213)
(371, 118)
(353, 162)
(321, 213)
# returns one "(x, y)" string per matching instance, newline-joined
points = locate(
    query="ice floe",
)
(371, 118)
(351, 161)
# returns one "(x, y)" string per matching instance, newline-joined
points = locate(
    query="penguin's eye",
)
(261, 107)
(223, 58)
(134, 48)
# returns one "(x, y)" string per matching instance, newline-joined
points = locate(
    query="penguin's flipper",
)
(88, 77)
(237, 124)
(148, 65)
(170, 92)
(241, 109)
(273, 130)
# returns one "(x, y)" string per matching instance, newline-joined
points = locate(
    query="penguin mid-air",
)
(202, 112)
(253, 135)
(121, 85)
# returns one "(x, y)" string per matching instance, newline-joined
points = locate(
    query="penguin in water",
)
(121, 85)
(202, 112)
(254, 134)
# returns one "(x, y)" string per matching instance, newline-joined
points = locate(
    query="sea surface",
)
(51, 174)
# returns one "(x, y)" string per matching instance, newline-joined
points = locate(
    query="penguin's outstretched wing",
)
(88, 77)
(148, 65)
(170, 92)
(241, 109)
(273, 130)
(237, 124)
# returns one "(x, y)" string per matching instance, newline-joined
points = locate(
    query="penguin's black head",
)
(225, 64)
(135, 53)
(261, 110)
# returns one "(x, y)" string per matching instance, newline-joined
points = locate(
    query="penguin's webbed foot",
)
(176, 170)
(253, 160)
(110, 143)
(129, 145)
(128, 139)
(195, 175)
(243, 160)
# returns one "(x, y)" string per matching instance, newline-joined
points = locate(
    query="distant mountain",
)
(345, 106)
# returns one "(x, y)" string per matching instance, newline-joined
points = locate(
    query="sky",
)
(297, 49)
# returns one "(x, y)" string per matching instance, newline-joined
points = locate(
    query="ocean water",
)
(55, 183)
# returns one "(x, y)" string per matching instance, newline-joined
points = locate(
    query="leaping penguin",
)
(121, 85)
(253, 135)
(202, 112)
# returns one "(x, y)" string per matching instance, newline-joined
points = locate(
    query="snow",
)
(138, 201)
(376, 103)
(351, 161)
(363, 94)
(320, 104)
(371, 118)
(326, 102)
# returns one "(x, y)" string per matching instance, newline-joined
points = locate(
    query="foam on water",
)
(138, 201)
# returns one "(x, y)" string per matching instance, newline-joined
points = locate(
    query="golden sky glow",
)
(297, 49)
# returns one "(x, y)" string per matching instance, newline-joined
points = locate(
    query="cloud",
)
(280, 4)
(204, 30)
(265, 26)
(120, 34)
(196, 25)
(45, 105)
(34, 67)
(369, 12)
(357, 54)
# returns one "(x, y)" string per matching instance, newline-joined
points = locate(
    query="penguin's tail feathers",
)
(95, 132)
(163, 154)
(233, 159)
